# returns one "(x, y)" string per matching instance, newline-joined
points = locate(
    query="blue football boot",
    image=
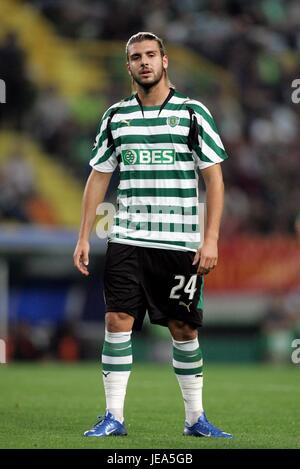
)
(203, 428)
(107, 425)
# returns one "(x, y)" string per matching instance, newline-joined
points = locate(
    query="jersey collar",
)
(171, 92)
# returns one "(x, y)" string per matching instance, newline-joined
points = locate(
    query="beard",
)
(147, 83)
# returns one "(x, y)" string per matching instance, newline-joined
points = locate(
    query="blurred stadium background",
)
(63, 65)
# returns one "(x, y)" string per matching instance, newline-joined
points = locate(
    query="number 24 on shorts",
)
(189, 288)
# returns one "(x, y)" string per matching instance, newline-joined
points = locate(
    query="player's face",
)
(145, 63)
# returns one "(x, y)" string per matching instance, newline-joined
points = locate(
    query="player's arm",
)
(207, 255)
(94, 194)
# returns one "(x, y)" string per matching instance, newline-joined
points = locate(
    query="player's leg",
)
(188, 367)
(124, 305)
(116, 361)
(174, 296)
(174, 292)
(187, 364)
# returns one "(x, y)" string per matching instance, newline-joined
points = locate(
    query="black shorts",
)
(161, 281)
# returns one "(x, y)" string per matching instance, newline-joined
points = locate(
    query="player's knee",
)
(118, 322)
(182, 331)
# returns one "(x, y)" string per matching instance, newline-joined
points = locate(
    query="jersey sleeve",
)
(210, 149)
(103, 157)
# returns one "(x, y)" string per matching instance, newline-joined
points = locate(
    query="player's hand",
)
(206, 257)
(81, 256)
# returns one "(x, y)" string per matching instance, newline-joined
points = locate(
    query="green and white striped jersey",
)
(157, 200)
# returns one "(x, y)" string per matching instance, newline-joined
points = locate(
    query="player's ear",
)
(128, 69)
(165, 62)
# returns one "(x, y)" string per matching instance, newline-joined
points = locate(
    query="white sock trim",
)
(186, 345)
(117, 337)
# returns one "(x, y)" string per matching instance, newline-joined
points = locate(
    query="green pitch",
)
(50, 405)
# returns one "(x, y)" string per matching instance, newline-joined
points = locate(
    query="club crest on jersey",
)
(148, 156)
(172, 121)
